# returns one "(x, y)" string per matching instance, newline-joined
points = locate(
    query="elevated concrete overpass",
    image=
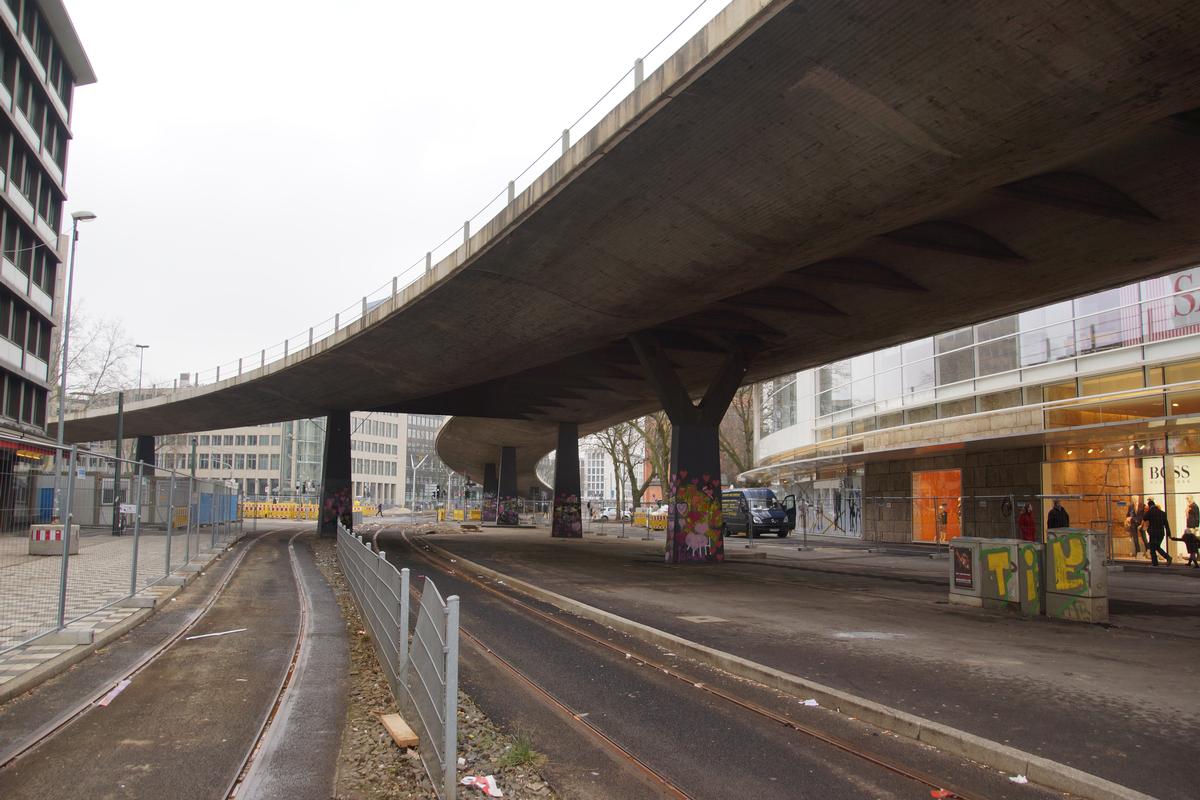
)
(799, 183)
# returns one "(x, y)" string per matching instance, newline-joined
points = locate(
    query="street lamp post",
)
(141, 359)
(76, 218)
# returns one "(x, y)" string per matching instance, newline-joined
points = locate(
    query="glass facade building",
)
(1065, 385)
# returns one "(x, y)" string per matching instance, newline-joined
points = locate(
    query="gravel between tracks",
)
(370, 765)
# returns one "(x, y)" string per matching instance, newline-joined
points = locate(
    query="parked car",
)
(757, 510)
(610, 513)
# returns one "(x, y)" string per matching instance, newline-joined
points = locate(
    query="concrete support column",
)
(337, 496)
(490, 485)
(145, 454)
(568, 518)
(693, 489)
(507, 499)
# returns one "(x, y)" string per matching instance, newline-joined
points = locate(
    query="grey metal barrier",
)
(82, 531)
(423, 679)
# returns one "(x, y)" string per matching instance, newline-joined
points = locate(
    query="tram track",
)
(930, 783)
(45, 735)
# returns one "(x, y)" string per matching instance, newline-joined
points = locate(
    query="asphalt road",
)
(185, 723)
(707, 746)
(1112, 701)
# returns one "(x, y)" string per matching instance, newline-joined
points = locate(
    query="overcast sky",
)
(257, 166)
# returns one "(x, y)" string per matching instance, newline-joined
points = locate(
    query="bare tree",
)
(609, 440)
(655, 432)
(100, 359)
(737, 434)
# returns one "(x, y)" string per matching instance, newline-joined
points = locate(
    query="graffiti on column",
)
(488, 513)
(694, 521)
(508, 511)
(568, 520)
(339, 505)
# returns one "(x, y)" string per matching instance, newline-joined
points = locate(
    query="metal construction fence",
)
(423, 679)
(75, 542)
(936, 519)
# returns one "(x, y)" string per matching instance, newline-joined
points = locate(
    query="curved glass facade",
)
(1093, 401)
(1004, 363)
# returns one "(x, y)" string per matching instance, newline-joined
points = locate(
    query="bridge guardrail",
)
(423, 678)
(458, 241)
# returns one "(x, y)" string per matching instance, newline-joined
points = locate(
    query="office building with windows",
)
(1094, 402)
(427, 474)
(284, 459)
(41, 63)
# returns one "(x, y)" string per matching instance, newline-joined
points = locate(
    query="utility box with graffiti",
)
(986, 573)
(1031, 587)
(966, 586)
(1076, 575)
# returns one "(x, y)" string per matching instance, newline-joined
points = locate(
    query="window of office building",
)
(956, 358)
(1047, 334)
(778, 405)
(918, 373)
(997, 348)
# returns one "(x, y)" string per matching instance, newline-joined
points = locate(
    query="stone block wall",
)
(987, 478)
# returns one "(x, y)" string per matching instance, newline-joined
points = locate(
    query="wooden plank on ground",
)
(401, 733)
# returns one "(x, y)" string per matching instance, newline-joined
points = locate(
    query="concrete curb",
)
(1044, 771)
(59, 664)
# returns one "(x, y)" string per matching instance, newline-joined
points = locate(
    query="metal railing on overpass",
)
(460, 238)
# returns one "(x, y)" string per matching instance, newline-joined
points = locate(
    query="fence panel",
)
(133, 526)
(424, 681)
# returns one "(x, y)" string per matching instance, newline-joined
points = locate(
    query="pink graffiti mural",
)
(694, 520)
(338, 505)
(568, 520)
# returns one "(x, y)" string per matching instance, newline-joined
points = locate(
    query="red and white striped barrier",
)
(46, 540)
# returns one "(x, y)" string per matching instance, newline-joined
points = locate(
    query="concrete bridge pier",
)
(337, 490)
(145, 454)
(568, 517)
(693, 494)
(490, 485)
(507, 499)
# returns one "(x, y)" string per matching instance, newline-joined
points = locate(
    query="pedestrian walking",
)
(1025, 524)
(1157, 527)
(1133, 524)
(1058, 517)
(1193, 515)
(1192, 542)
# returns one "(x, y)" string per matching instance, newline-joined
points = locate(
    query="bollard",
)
(638, 72)
(566, 140)
(512, 191)
(428, 266)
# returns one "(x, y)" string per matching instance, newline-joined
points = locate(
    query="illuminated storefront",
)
(1090, 401)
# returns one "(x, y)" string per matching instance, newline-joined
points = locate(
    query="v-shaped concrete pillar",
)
(693, 489)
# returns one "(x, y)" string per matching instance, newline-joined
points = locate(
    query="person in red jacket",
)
(1025, 524)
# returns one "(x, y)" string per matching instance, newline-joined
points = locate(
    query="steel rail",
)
(945, 790)
(284, 683)
(52, 728)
